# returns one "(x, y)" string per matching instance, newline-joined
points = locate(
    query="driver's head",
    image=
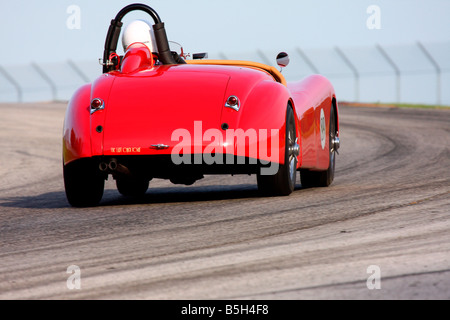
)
(139, 31)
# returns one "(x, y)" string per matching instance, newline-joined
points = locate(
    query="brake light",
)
(97, 104)
(233, 103)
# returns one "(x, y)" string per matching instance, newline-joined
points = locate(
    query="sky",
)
(54, 31)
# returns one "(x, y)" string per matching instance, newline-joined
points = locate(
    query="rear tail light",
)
(233, 103)
(97, 104)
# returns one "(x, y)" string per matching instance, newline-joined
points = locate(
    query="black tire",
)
(282, 183)
(83, 182)
(132, 187)
(323, 178)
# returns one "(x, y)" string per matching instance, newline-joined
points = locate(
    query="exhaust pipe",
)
(113, 166)
(103, 166)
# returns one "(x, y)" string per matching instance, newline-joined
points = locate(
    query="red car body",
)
(139, 114)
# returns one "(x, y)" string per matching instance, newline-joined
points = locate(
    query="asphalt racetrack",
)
(381, 231)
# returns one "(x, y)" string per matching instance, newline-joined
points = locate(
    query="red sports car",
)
(157, 113)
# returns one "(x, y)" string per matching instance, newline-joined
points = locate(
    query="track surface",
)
(389, 206)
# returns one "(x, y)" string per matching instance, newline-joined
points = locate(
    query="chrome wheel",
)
(294, 151)
(282, 183)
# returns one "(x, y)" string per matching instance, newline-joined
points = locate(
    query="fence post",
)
(354, 70)
(14, 83)
(396, 69)
(308, 62)
(78, 71)
(222, 56)
(438, 71)
(264, 58)
(46, 78)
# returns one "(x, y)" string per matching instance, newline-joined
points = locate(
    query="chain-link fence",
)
(416, 73)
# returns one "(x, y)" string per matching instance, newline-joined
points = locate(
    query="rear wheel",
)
(323, 178)
(132, 187)
(83, 182)
(282, 183)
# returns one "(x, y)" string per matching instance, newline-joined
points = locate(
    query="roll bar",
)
(112, 38)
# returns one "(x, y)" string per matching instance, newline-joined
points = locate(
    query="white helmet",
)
(139, 31)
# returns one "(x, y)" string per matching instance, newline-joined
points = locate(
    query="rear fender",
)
(264, 114)
(83, 131)
(76, 142)
(101, 89)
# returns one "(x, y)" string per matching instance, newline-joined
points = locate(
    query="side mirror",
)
(282, 59)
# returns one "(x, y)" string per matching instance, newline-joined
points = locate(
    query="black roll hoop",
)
(112, 38)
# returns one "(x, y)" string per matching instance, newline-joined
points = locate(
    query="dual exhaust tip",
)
(113, 166)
